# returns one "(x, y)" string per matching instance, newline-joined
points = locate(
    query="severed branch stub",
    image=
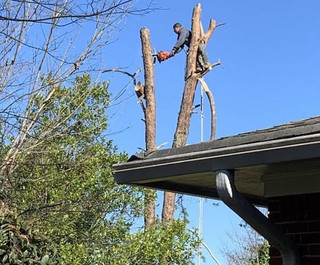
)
(139, 88)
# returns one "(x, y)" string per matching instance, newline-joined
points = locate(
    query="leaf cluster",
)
(20, 246)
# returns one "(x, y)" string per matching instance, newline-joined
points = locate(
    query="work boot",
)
(207, 66)
(203, 68)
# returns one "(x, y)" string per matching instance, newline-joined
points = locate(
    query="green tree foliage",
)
(63, 206)
(262, 256)
(20, 246)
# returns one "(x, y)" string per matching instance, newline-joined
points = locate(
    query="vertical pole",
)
(200, 199)
(201, 118)
(200, 228)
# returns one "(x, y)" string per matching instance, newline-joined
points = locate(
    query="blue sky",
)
(270, 76)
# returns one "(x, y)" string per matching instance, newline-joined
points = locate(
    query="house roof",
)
(267, 163)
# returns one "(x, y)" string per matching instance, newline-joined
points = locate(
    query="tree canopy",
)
(63, 206)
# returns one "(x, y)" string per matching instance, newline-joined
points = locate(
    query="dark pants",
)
(202, 57)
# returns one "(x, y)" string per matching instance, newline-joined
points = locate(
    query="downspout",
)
(232, 198)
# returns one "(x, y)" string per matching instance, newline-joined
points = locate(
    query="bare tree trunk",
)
(150, 118)
(183, 124)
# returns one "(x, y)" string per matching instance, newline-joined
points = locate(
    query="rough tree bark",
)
(150, 118)
(183, 124)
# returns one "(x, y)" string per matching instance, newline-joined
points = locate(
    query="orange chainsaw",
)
(161, 56)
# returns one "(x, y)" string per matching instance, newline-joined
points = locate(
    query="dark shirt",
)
(184, 38)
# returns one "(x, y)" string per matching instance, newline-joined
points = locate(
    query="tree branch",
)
(78, 16)
(209, 69)
(117, 70)
(40, 208)
(212, 26)
(212, 107)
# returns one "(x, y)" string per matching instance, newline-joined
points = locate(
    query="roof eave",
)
(234, 157)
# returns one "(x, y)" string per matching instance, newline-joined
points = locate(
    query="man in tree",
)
(184, 38)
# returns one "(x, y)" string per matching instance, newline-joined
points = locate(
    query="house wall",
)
(298, 216)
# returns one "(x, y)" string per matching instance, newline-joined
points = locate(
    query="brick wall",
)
(298, 217)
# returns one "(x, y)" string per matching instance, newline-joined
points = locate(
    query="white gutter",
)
(231, 197)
